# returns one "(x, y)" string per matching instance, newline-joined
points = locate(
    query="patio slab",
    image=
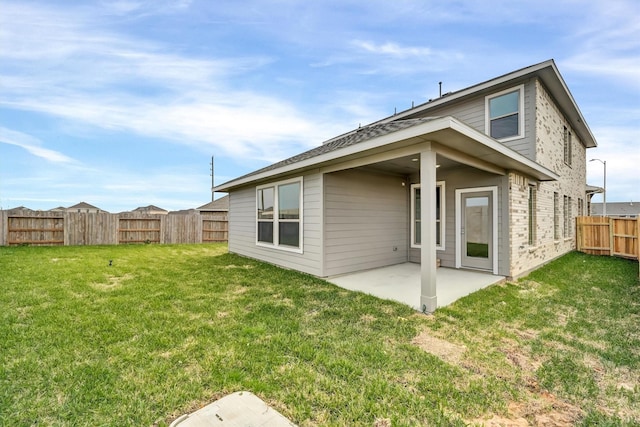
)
(241, 409)
(401, 282)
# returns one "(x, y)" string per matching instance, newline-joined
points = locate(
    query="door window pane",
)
(477, 226)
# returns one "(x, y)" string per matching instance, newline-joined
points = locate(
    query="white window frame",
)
(276, 214)
(441, 246)
(487, 112)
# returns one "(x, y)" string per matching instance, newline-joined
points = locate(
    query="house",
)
(502, 163)
(151, 210)
(617, 209)
(220, 205)
(84, 207)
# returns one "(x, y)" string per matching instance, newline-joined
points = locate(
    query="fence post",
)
(4, 227)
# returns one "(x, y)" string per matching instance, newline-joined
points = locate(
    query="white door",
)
(476, 229)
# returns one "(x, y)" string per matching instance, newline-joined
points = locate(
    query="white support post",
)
(428, 296)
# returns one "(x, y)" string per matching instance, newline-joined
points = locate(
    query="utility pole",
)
(212, 185)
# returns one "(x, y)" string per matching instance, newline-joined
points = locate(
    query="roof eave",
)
(507, 157)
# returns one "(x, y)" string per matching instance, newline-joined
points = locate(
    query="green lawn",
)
(167, 329)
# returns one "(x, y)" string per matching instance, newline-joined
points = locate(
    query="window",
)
(567, 216)
(504, 114)
(532, 215)
(416, 226)
(279, 215)
(556, 216)
(567, 146)
(580, 207)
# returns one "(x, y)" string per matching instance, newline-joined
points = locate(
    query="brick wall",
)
(549, 128)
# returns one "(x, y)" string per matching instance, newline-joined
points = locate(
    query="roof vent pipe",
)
(440, 84)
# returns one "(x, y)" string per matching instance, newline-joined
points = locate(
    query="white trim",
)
(487, 115)
(443, 210)
(494, 196)
(276, 221)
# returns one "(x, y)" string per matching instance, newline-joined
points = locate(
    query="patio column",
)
(428, 297)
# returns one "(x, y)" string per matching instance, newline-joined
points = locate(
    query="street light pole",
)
(604, 194)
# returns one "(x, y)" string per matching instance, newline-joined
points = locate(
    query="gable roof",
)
(83, 205)
(149, 208)
(548, 73)
(220, 204)
(404, 126)
(617, 208)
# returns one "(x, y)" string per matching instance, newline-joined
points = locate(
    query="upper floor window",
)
(567, 146)
(279, 215)
(504, 114)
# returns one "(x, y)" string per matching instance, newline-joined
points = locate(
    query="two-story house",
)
(497, 171)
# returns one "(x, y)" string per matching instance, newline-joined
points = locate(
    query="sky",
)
(122, 103)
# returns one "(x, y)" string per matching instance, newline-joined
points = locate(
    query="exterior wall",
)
(242, 228)
(550, 123)
(365, 221)
(472, 112)
(463, 178)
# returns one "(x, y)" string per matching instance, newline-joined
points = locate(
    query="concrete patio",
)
(401, 282)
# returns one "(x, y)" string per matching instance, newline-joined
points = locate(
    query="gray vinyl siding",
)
(465, 178)
(472, 112)
(365, 219)
(242, 229)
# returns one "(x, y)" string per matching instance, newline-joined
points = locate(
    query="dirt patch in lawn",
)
(445, 350)
(539, 407)
(542, 409)
(113, 282)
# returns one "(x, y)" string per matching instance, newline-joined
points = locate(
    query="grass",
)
(167, 329)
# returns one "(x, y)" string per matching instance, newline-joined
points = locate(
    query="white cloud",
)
(393, 49)
(113, 82)
(32, 145)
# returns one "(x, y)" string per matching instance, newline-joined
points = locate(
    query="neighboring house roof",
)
(448, 131)
(592, 189)
(150, 208)
(83, 205)
(617, 208)
(220, 204)
(59, 208)
(183, 212)
(19, 209)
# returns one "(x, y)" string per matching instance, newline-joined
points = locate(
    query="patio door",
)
(476, 228)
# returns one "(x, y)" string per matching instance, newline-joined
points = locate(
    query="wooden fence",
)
(26, 227)
(609, 236)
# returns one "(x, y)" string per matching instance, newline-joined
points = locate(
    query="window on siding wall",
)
(532, 215)
(504, 114)
(416, 224)
(279, 215)
(567, 146)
